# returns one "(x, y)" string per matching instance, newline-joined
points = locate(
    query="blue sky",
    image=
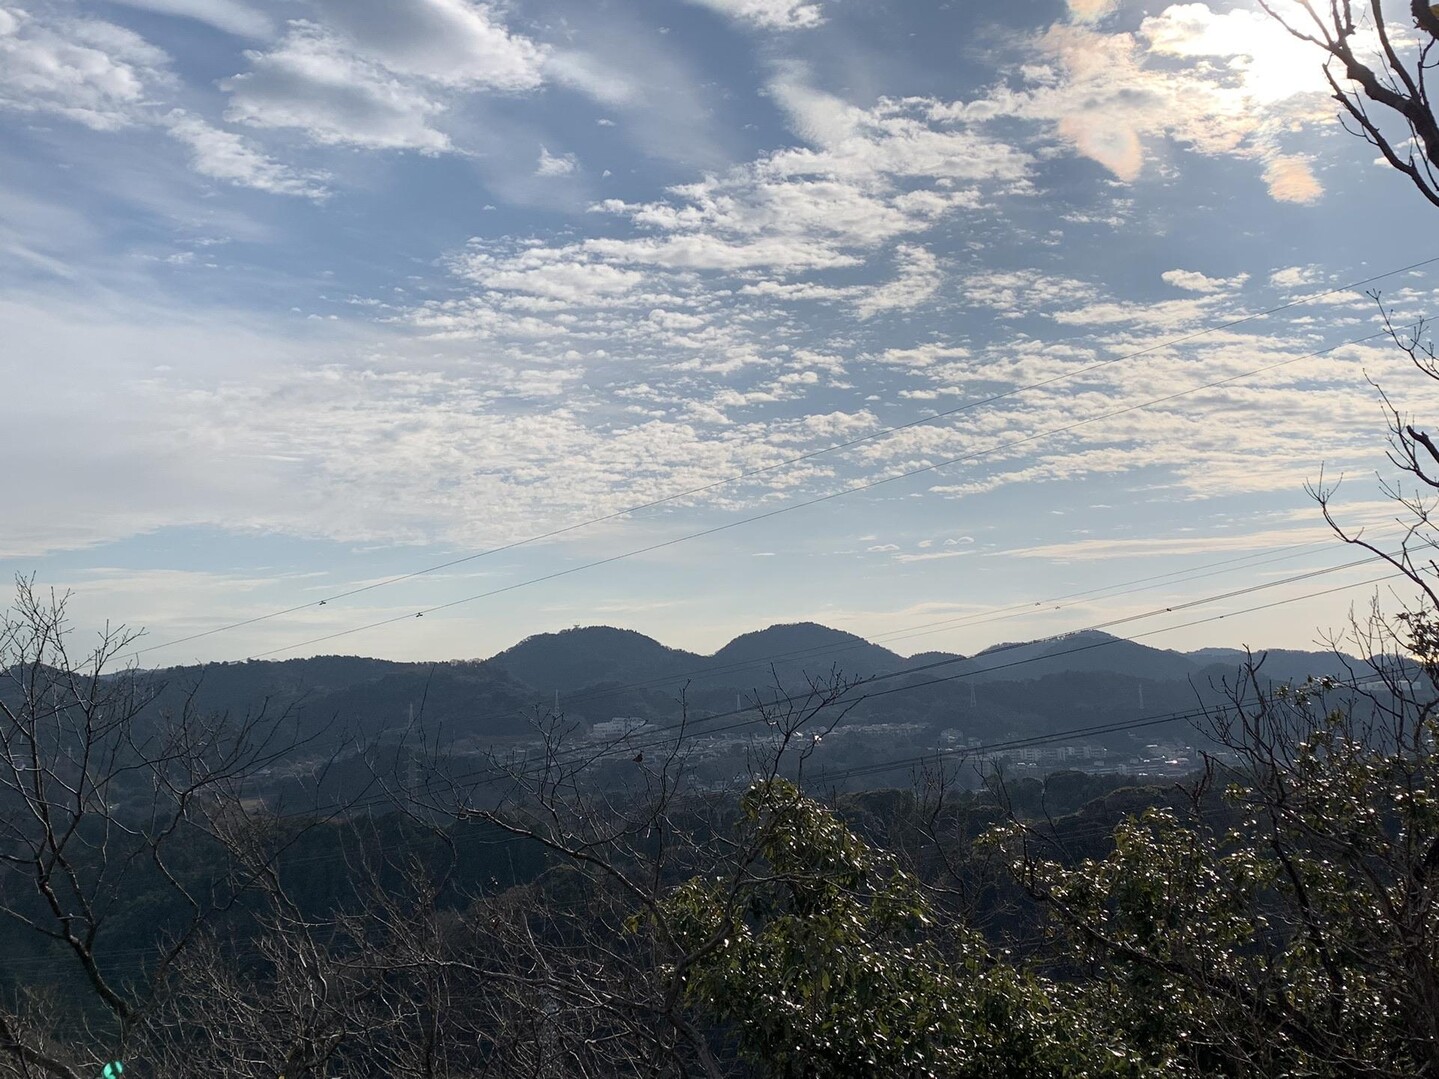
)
(304, 295)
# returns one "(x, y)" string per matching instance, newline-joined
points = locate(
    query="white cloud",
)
(1167, 315)
(1024, 292)
(231, 16)
(1291, 179)
(1269, 64)
(223, 155)
(379, 75)
(770, 14)
(695, 250)
(662, 98)
(1170, 546)
(288, 447)
(817, 117)
(1194, 281)
(1296, 276)
(595, 75)
(555, 164)
(454, 42)
(570, 279)
(1091, 10)
(878, 175)
(93, 72)
(311, 81)
(1224, 84)
(655, 290)
(918, 280)
(108, 78)
(671, 339)
(922, 355)
(931, 556)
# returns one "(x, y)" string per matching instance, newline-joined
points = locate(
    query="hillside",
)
(583, 656)
(599, 672)
(795, 650)
(1087, 650)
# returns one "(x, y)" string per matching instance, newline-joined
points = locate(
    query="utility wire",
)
(999, 614)
(876, 768)
(805, 503)
(624, 749)
(338, 856)
(939, 753)
(692, 728)
(749, 473)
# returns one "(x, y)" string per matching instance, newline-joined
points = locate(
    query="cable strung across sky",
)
(818, 500)
(701, 726)
(787, 462)
(981, 618)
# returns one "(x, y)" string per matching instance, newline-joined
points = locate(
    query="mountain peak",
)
(583, 655)
(809, 647)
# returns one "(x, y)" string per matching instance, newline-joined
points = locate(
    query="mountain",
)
(601, 672)
(349, 694)
(576, 659)
(1087, 650)
(467, 700)
(572, 659)
(795, 650)
(924, 659)
(1280, 664)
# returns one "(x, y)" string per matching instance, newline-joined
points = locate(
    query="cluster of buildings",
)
(1155, 759)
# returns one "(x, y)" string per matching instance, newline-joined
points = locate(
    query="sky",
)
(300, 297)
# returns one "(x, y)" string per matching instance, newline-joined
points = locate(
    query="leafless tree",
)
(586, 974)
(1379, 73)
(106, 802)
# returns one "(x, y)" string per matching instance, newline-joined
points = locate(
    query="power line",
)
(750, 473)
(878, 768)
(624, 748)
(756, 709)
(651, 740)
(894, 764)
(627, 747)
(803, 504)
(979, 618)
(1118, 726)
(335, 857)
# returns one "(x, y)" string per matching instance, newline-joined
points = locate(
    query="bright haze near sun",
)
(303, 296)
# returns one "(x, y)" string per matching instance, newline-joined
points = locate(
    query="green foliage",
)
(818, 961)
(824, 960)
(1291, 928)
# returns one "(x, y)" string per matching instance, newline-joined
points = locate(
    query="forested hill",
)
(601, 672)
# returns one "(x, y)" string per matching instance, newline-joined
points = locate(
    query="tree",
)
(1290, 913)
(1381, 80)
(1293, 916)
(826, 961)
(135, 865)
(597, 960)
(676, 930)
(816, 958)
